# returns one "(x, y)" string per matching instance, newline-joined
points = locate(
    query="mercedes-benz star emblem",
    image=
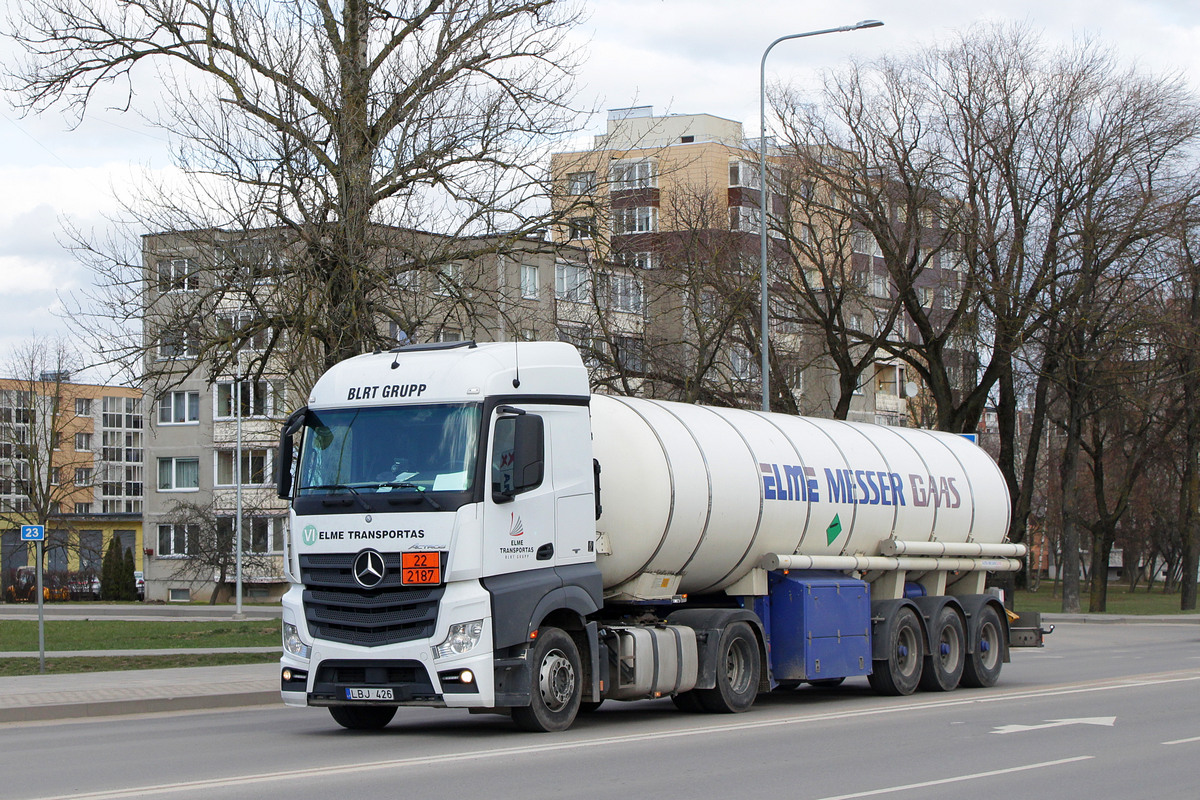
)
(369, 569)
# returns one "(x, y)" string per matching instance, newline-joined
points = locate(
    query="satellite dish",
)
(910, 389)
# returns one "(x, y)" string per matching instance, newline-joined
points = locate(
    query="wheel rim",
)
(949, 648)
(737, 671)
(556, 680)
(989, 645)
(907, 651)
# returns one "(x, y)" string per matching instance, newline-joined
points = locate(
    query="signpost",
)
(37, 534)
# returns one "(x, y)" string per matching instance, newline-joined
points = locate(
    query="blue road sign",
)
(33, 533)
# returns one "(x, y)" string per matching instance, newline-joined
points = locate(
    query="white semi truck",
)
(472, 528)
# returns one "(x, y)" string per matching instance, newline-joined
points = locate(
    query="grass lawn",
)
(29, 666)
(67, 634)
(1120, 600)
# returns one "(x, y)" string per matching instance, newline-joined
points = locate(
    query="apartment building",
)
(71, 458)
(199, 408)
(669, 209)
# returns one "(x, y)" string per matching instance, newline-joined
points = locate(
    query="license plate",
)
(369, 694)
(421, 568)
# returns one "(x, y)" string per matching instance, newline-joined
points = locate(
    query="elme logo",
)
(310, 534)
(517, 527)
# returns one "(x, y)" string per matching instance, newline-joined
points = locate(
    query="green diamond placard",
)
(835, 528)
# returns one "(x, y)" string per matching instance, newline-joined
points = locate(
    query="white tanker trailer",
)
(471, 528)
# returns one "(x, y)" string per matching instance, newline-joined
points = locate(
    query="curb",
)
(142, 705)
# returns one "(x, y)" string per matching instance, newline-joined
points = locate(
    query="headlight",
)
(460, 639)
(292, 642)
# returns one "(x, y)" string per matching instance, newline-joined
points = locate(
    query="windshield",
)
(426, 448)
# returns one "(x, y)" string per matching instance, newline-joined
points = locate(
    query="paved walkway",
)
(98, 694)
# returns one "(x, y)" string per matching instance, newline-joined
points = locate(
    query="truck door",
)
(518, 525)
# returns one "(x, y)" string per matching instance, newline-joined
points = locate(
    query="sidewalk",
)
(100, 694)
(28, 698)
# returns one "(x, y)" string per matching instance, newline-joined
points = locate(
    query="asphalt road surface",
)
(1104, 711)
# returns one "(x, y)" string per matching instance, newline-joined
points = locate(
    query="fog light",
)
(467, 676)
(287, 675)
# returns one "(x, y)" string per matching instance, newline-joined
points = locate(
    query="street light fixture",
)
(762, 188)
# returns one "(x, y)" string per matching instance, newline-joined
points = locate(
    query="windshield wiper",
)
(346, 486)
(406, 485)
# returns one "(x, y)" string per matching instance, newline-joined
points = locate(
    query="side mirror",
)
(283, 465)
(519, 456)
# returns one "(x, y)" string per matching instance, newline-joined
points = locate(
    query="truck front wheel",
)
(557, 689)
(362, 718)
(737, 672)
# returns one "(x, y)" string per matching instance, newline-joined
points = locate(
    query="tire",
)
(900, 673)
(944, 667)
(827, 683)
(982, 668)
(557, 688)
(362, 718)
(738, 665)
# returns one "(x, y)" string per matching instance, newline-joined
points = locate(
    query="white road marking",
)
(958, 778)
(1057, 723)
(1184, 741)
(895, 707)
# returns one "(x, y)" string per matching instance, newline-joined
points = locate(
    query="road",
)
(1103, 711)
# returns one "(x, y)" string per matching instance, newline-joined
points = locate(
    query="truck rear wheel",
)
(555, 695)
(362, 718)
(944, 666)
(737, 672)
(900, 672)
(983, 664)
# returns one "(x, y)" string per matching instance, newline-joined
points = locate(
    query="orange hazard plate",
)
(423, 568)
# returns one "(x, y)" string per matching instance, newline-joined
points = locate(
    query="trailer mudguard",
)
(708, 624)
(883, 616)
(974, 603)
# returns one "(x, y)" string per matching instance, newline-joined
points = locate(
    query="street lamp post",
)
(762, 188)
(237, 481)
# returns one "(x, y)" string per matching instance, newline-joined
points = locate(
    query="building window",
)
(629, 352)
(744, 174)
(83, 406)
(262, 535)
(83, 441)
(83, 476)
(449, 335)
(178, 343)
(740, 362)
(255, 397)
(254, 467)
(83, 508)
(640, 260)
(744, 218)
(231, 327)
(632, 175)
(581, 183)
(582, 228)
(625, 292)
(638, 219)
(571, 282)
(864, 242)
(529, 281)
(177, 540)
(176, 408)
(178, 474)
(178, 275)
(450, 279)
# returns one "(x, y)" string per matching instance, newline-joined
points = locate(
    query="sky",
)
(679, 56)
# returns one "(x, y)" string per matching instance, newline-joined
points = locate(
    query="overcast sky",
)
(680, 56)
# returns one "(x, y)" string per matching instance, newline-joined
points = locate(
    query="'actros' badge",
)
(369, 569)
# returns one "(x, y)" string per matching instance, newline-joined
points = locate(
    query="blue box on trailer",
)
(819, 624)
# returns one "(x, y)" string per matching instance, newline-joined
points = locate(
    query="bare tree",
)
(201, 543)
(42, 473)
(312, 137)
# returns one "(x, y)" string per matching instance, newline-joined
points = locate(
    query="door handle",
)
(545, 552)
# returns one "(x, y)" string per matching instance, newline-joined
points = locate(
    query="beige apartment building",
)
(71, 459)
(669, 209)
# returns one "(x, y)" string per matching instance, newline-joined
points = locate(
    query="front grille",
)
(408, 679)
(340, 610)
